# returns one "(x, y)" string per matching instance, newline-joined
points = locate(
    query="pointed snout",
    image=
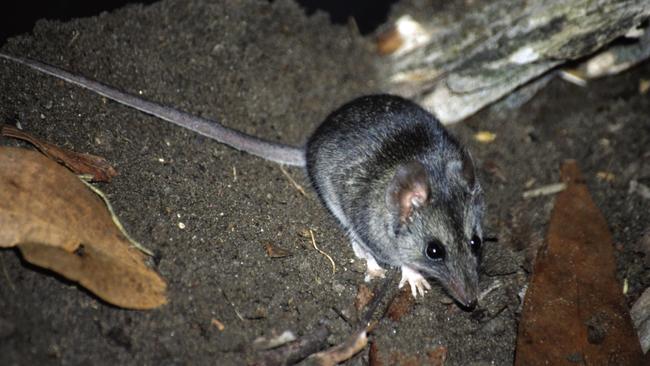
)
(469, 306)
(465, 293)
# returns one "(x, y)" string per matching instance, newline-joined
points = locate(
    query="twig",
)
(374, 303)
(231, 304)
(344, 351)
(116, 221)
(493, 286)
(342, 316)
(296, 350)
(293, 182)
(313, 242)
(545, 190)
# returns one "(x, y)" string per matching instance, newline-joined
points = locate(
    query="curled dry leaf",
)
(275, 251)
(59, 224)
(83, 164)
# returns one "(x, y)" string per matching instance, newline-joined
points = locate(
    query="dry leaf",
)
(60, 224)
(400, 305)
(434, 357)
(364, 295)
(437, 356)
(83, 164)
(374, 356)
(389, 41)
(574, 310)
(275, 251)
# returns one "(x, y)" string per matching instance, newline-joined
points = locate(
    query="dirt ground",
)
(269, 70)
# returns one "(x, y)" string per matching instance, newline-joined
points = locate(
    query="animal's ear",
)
(464, 168)
(408, 190)
(468, 168)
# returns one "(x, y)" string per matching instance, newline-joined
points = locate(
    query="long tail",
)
(279, 153)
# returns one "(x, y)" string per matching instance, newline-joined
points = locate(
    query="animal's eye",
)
(475, 244)
(435, 250)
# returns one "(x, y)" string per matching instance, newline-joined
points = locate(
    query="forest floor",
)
(271, 71)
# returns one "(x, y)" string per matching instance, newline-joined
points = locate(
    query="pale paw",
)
(374, 270)
(418, 284)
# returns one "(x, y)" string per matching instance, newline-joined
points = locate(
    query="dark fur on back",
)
(354, 155)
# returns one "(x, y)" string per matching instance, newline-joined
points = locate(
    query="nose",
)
(465, 293)
(470, 305)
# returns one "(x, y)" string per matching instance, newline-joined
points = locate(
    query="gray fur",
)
(351, 160)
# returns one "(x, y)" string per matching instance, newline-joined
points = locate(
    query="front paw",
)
(374, 271)
(418, 284)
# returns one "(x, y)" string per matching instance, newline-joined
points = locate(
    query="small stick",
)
(374, 303)
(313, 242)
(342, 316)
(297, 350)
(339, 353)
(232, 304)
(545, 190)
(293, 182)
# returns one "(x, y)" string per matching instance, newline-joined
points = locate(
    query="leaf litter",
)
(98, 168)
(59, 224)
(574, 310)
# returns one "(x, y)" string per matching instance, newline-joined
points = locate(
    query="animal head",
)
(436, 214)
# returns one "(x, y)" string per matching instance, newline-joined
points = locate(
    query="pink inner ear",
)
(408, 190)
(411, 198)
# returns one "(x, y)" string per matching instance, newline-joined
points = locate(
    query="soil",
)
(269, 70)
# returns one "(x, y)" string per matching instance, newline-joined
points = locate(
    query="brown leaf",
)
(364, 295)
(59, 224)
(434, 357)
(574, 310)
(275, 251)
(437, 356)
(96, 166)
(400, 305)
(374, 356)
(389, 41)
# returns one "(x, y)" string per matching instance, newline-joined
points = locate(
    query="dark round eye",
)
(435, 251)
(475, 244)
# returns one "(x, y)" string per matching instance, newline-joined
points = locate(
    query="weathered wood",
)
(459, 66)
